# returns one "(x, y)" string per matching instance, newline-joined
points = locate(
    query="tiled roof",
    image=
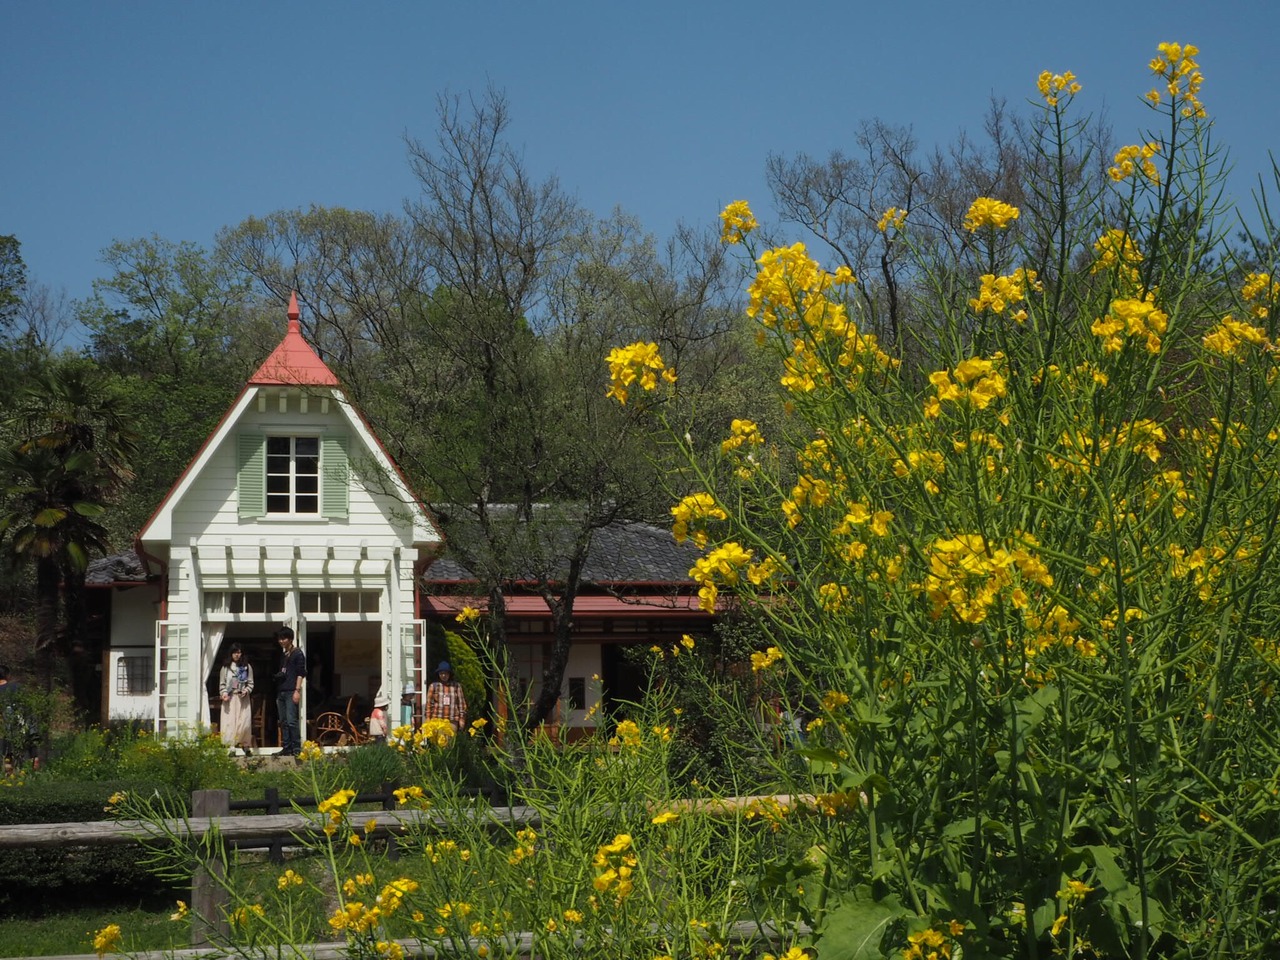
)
(123, 567)
(620, 553)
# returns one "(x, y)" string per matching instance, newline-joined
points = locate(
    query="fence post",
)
(208, 893)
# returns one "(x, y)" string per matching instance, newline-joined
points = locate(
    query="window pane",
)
(277, 504)
(328, 602)
(278, 446)
(372, 599)
(307, 446)
(350, 602)
(278, 484)
(255, 602)
(235, 602)
(309, 602)
(308, 484)
(308, 505)
(275, 602)
(213, 602)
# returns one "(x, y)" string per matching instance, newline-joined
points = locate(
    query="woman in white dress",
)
(237, 706)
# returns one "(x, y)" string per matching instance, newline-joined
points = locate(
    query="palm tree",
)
(67, 457)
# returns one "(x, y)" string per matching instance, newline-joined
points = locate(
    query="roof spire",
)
(294, 362)
(294, 326)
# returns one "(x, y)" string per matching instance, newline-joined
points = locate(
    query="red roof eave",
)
(650, 606)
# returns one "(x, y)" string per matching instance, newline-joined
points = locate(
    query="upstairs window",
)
(296, 476)
(293, 474)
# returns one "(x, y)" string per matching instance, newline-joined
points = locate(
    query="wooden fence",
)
(211, 816)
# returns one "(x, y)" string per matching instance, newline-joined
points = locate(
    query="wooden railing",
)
(211, 819)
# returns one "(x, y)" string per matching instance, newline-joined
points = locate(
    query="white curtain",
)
(213, 634)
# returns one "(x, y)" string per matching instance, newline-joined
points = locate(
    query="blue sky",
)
(122, 120)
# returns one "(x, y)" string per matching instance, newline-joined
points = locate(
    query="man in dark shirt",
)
(291, 675)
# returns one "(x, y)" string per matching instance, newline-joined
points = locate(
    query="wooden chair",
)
(334, 729)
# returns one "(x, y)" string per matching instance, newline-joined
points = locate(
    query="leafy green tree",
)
(13, 279)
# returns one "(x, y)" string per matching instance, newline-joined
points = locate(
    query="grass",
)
(69, 930)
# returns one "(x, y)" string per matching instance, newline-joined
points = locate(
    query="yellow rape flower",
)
(1175, 63)
(1053, 86)
(637, 363)
(690, 513)
(763, 661)
(997, 294)
(1134, 159)
(892, 219)
(736, 221)
(466, 614)
(986, 212)
(287, 879)
(721, 564)
(182, 911)
(742, 432)
(1229, 335)
(107, 940)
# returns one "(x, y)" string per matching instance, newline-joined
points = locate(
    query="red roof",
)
(293, 363)
(656, 605)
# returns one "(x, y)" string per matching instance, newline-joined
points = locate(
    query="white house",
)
(291, 513)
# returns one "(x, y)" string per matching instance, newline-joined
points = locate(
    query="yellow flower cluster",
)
(1259, 291)
(892, 219)
(288, 879)
(627, 736)
(615, 864)
(833, 596)
(999, 293)
(336, 807)
(526, 840)
(310, 751)
(967, 575)
(978, 382)
(1055, 627)
(690, 513)
(1053, 85)
(1142, 436)
(241, 916)
(107, 940)
(795, 953)
(1177, 66)
(1229, 335)
(986, 212)
(447, 848)
(355, 917)
(415, 793)
(636, 363)
(467, 614)
(182, 911)
(736, 222)
(1129, 317)
(1116, 249)
(437, 733)
(788, 285)
(764, 660)
(742, 432)
(1134, 158)
(721, 564)
(932, 944)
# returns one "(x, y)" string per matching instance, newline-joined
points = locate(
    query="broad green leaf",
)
(855, 929)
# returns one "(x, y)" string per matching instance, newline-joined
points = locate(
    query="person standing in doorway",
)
(237, 708)
(445, 700)
(291, 675)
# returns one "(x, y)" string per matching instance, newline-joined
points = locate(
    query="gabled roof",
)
(622, 553)
(294, 363)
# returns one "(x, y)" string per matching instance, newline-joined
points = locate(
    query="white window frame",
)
(293, 494)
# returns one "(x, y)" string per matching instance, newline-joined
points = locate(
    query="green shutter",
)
(336, 477)
(251, 475)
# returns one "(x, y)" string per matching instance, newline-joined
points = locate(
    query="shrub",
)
(27, 876)
(373, 764)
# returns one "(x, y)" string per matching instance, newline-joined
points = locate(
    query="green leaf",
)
(856, 928)
(49, 517)
(88, 509)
